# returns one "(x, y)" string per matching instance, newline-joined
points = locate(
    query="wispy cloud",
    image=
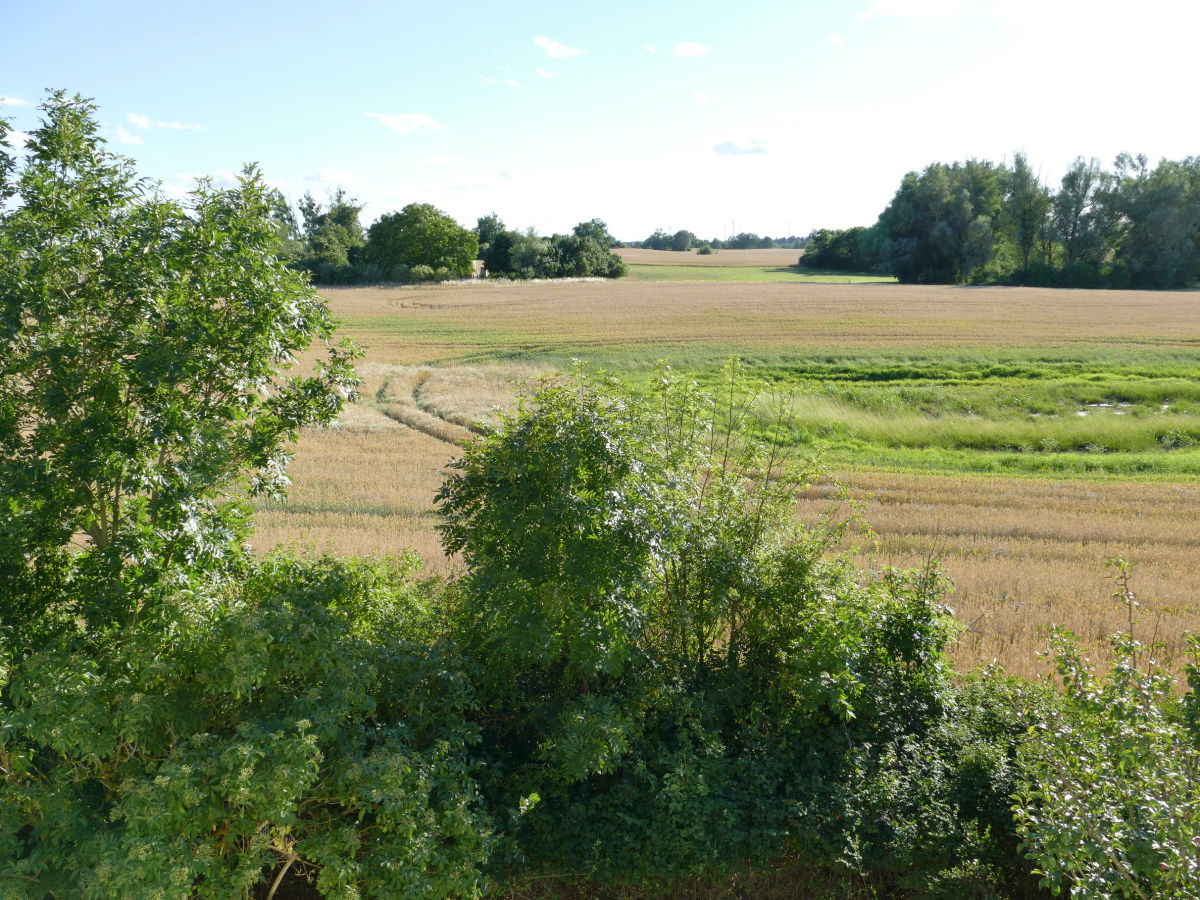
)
(17, 139)
(337, 177)
(137, 120)
(125, 136)
(691, 48)
(650, 49)
(924, 10)
(13, 101)
(837, 40)
(700, 96)
(512, 82)
(555, 49)
(542, 73)
(405, 123)
(487, 79)
(732, 148)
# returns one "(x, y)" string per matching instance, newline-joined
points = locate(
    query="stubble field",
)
(968, 420)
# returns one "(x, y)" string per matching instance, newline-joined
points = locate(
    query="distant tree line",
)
(978, 222)
(421, 243)
(587, 252)
(682, 241)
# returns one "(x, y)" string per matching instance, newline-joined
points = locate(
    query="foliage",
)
(677, 678)
(301, 720)
(1136, 226)
(140, 355)
(332, 235)
(421, 235)
(1108, 803)
(848, 250)
(586, 252)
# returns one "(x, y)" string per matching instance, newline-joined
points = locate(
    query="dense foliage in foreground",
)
(647, 670)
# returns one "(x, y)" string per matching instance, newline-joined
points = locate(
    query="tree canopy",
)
(422, 235)
(141, 347)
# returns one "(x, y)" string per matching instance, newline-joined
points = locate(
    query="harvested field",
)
(1023, 552)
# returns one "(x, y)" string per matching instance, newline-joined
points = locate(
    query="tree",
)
(938, 227)
(141, 347)
(487, 229)
(1026, 206)
(1076, 219)
(421, 234)
(333, 233)
(682, 241)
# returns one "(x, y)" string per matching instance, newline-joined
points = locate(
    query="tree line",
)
(421, 243)
(1134, 226)
(684, 240)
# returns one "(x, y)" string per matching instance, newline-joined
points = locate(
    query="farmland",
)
(734, 265)
(1022, 436)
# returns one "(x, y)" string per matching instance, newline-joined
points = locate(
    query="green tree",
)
(487, 229)
(140, 350)
(332, 233)
(421, 234)
(1077, 221)
(682, 241)
(939, 226)
(1025, 209)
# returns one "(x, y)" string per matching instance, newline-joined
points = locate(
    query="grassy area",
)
(751, 273)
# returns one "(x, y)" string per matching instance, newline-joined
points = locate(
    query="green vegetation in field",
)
(752, 273)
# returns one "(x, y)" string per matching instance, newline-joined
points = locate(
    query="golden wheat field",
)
(1022, 552)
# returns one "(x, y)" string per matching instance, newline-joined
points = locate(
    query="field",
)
(734, 265)
(1022, 436)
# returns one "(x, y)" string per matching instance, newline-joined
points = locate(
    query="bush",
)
(421, 272)
(1108, 803)
(302, 720)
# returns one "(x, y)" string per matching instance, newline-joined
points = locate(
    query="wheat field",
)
(636, 256)
(441, 362)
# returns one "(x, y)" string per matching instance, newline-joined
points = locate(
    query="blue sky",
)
(759, 116)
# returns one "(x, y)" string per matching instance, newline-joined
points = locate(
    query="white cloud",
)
(542, 73)
(138, 121)
(14, 101)
(18, 139)
(512, 82)
(180, 126)
(336, 177)
(700, 96)
(125, 136)
(837, 40)
(691, 48)
(487, 80)
(734, 148)
(555, 49)
(925, 10)
(405, 123)
(649, 49)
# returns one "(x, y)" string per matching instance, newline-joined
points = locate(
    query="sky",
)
(763, 116)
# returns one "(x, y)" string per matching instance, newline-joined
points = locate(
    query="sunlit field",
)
(1021, 436)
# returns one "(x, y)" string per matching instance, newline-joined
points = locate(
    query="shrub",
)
(421, 272)
(302, 718)
(1108, 803)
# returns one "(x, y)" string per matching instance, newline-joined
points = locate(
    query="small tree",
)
(141, 345)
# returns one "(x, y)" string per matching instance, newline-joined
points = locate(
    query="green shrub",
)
(421, 272)
(304, 718)
(1108, 802)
